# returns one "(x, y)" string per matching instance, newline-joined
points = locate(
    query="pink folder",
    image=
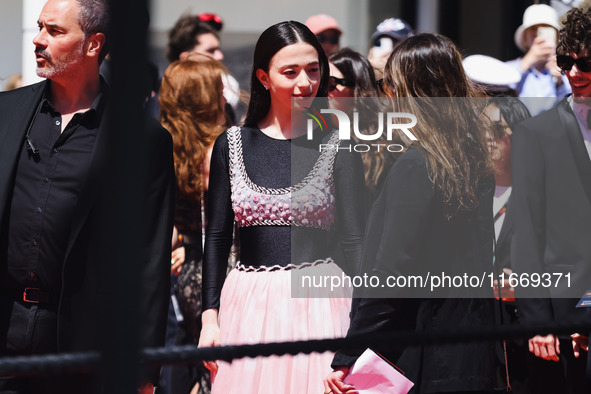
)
(371, 374)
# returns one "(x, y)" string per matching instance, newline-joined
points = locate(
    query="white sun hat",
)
(490, 72)
(536, 14)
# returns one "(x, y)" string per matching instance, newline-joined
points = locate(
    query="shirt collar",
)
(95, 111)
(580, 110)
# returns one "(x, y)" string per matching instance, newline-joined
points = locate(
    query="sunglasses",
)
(498, 130)
(566, 62)
(328, 38)
(334, 81)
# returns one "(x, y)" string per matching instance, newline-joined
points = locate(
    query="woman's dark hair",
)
(575, 37)
(356, 68)
(449, 131)
(440, 74)
(269, 43)
(512, 109)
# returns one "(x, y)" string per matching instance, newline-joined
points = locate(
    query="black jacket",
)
(551, 208)
(90, 264)
(408, 233)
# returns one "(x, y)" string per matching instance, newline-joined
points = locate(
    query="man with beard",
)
(56, 275)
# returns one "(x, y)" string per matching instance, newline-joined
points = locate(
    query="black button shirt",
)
(46, 190)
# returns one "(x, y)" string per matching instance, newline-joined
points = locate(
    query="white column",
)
(356, 27)
(427, 16)
(31, 11)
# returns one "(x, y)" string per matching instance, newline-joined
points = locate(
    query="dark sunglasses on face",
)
(329, 38)
(499, 131)
(334, 81)
(566, 62)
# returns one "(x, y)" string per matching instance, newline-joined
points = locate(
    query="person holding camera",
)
(540, 76)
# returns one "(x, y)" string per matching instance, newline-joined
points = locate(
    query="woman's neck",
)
(279, 126)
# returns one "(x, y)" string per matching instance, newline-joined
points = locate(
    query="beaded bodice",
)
(310, 203)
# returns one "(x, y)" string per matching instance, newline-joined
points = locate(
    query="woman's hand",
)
(177, 260)
(210, 336)
(333, 383)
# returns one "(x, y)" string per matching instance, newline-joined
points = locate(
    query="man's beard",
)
(54, 68)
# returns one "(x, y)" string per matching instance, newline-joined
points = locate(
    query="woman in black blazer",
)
(432, 215)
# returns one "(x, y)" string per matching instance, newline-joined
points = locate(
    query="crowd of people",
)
(241, 194)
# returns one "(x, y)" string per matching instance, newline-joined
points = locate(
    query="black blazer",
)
(88, 274)
(551, 207)
(408, 233)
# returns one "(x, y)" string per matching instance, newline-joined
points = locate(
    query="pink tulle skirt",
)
(258, 307)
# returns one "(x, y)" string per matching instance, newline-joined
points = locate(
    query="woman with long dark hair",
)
(285, 195)
(433, 214)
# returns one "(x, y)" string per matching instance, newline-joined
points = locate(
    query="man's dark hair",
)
(183, 35)
(575, 37)
(94, 18)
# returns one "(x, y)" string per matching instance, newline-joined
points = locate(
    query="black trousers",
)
(31, 329)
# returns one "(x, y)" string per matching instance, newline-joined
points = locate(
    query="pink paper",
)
(372, 375)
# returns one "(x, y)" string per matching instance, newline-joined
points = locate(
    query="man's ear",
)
(263, 78)
(96, 42)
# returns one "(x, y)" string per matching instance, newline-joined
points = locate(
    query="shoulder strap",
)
(235, 148)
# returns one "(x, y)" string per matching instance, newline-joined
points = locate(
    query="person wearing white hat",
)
(540, 76)
(491, 75)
